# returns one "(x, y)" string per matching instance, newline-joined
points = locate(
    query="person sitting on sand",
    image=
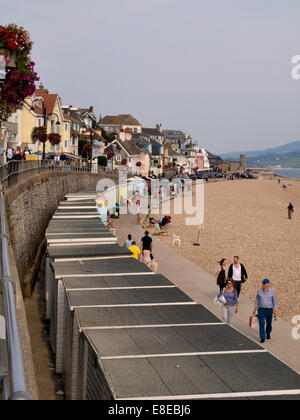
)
(165, 221)
(290, 210)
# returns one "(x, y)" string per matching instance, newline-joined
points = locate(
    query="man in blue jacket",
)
(266, 304)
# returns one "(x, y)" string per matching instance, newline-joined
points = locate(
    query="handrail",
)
(17, 388)
(10, 172)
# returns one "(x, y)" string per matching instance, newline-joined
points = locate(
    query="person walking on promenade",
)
(18, 154)
(135, 251)
(26, 152)
(266, 304)
(221, 280)
(152, 264)
(146, 245)
(232, 302)
(9, 153)
(238, 273)
(290, 210)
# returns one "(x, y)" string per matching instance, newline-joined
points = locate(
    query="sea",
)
(289, 173)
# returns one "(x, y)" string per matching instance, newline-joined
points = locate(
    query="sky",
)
(219, 70)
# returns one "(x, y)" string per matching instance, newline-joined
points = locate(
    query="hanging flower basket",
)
(110, 155)
(39, 134)
(139, 164)
(88, 149)
(54, 138)
(15, 46)
(124, 162)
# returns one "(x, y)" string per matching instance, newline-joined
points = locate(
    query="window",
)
(118, 158)
(52, 127)
(53, 148)
(58, 148)
(66, 127)
(66, 144)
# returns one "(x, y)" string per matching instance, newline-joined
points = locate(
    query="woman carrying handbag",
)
(229, 295)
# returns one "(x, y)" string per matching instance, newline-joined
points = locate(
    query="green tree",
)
(108, 137)
(81, 150)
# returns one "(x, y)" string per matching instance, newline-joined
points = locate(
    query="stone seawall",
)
(30, 206)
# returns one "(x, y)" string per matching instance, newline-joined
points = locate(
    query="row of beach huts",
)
(119, 331)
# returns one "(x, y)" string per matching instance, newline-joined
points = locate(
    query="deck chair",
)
(159, 230)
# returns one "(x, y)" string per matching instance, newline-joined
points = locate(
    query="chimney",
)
(91, 109)
(100, 118)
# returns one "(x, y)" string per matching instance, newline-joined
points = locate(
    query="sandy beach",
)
(249, 218)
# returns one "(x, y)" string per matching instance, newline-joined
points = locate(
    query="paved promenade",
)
(201, 286)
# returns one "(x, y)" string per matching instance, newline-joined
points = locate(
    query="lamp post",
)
(45, 116)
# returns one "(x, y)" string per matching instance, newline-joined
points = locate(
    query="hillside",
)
(286, 148)
(288, 156)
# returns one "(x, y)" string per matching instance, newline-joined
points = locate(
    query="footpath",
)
(201, 286)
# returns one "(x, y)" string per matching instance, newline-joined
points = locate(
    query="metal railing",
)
(15, 384)
(15, 171)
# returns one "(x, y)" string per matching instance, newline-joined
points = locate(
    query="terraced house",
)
(114, 124)
(33, 116)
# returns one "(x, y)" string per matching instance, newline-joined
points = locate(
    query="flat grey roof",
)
(76, 211)
(144, 315)
(91, 203)
(127, 297)
(76, 216)
(156, 280)
(80, 251)
(62, 230)
(76, 224)
(96, 267)
(199, 376)
(169, 340)
(77, 235)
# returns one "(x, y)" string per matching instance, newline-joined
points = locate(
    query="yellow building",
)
(33, 116)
